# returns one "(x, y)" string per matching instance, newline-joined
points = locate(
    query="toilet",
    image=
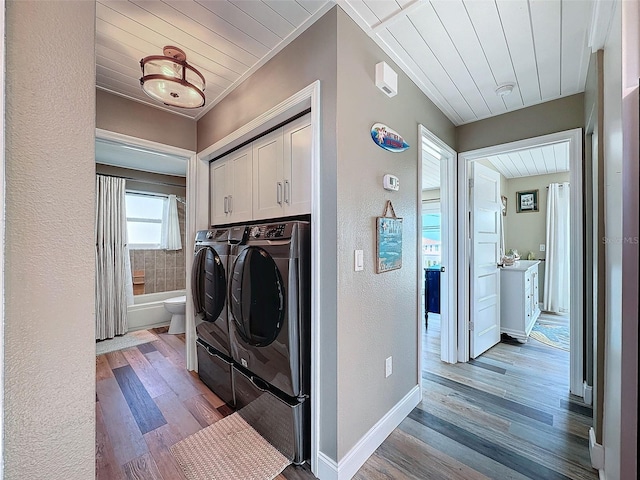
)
(176, 307)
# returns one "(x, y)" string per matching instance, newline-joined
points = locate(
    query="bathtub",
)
(148, 311)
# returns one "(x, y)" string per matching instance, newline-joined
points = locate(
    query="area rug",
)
(228, 450)
(554, 333)
(125, 341)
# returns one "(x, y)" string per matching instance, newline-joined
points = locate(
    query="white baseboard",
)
(361, 451)
(587, 393)
(596, 451)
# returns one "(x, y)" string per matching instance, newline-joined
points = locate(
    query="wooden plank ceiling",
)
(225, 40)
(459, 51)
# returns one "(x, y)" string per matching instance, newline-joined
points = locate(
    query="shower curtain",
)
(114, 285)
(557, 267)
(171, 225)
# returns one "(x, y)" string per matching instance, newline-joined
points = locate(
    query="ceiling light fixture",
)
(171, 80)
(504, 89)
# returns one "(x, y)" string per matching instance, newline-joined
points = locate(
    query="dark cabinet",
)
(431, 290)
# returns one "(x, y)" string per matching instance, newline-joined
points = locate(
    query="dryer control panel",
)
(268, 231)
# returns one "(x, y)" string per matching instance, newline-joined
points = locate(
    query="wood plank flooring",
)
(506, 415)
(146, 401)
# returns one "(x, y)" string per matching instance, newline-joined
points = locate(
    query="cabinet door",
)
(297, 166)
(240, 192)
(268, 184)
(218, 206)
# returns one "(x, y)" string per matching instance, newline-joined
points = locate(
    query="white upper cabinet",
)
(282, 171)
(268, 178)
(297, 166)
(231, 187)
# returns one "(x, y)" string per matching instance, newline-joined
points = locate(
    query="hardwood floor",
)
(147, 401)
(506, 415)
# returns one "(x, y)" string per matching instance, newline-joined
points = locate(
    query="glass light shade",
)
(172, 81)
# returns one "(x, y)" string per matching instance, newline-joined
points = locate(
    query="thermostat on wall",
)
(391, 182)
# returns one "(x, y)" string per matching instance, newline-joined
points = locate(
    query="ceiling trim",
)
(601, 18)
(121, 138)
(393, 18)
(290, 38)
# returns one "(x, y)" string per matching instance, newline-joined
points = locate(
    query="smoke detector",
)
(504, 89)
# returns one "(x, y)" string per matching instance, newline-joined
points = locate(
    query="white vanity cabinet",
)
(519, 307)
(230, 191)
(282, 171)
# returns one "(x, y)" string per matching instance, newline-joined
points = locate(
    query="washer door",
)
(208, 284)
(257, 297)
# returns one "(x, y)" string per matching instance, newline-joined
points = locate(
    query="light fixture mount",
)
(171, 80)
(504, 89)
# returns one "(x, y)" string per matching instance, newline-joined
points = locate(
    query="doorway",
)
(572, 142)
(436, 239)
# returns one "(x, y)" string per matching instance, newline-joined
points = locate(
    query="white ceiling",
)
(542, 160)
(225, 40)
(456, 51)
(138, 158)
(459, 51)
(533, 161)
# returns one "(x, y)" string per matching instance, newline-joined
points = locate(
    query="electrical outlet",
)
(388, 366)
(542, 247)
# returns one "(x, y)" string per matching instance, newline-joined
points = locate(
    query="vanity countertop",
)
(522, 265)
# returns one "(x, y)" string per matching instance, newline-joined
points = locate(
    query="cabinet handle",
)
(287, 190)
(226, 204)
(230, 203)
(279, 193)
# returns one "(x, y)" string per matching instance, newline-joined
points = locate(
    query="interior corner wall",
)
(49, 267)
(613, 154)
(121, 115)
(310, 57)
(377, 313)
(565, 113)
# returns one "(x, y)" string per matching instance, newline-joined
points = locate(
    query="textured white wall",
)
(49, 360)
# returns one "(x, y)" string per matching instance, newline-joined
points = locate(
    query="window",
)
(431, 243)
(144, 220)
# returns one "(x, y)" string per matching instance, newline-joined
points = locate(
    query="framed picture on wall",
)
(527, 201)
(504, 205)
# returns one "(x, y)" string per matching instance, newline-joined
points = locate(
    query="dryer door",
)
(209, 284)
(257, 297)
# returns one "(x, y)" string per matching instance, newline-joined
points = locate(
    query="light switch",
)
(542, 247)
(359, 260)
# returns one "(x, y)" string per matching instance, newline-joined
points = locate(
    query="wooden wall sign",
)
(388, 241)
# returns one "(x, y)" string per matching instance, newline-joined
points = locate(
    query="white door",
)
(297, 166)
(268, 195)
(485, 251)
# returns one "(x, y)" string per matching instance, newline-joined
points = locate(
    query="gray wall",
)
(377, 313)
(556, 116)
(121, 115)
(49, 361)
(310, 57)
(526, 231)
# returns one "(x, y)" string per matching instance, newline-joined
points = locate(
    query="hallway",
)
(505, 415)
